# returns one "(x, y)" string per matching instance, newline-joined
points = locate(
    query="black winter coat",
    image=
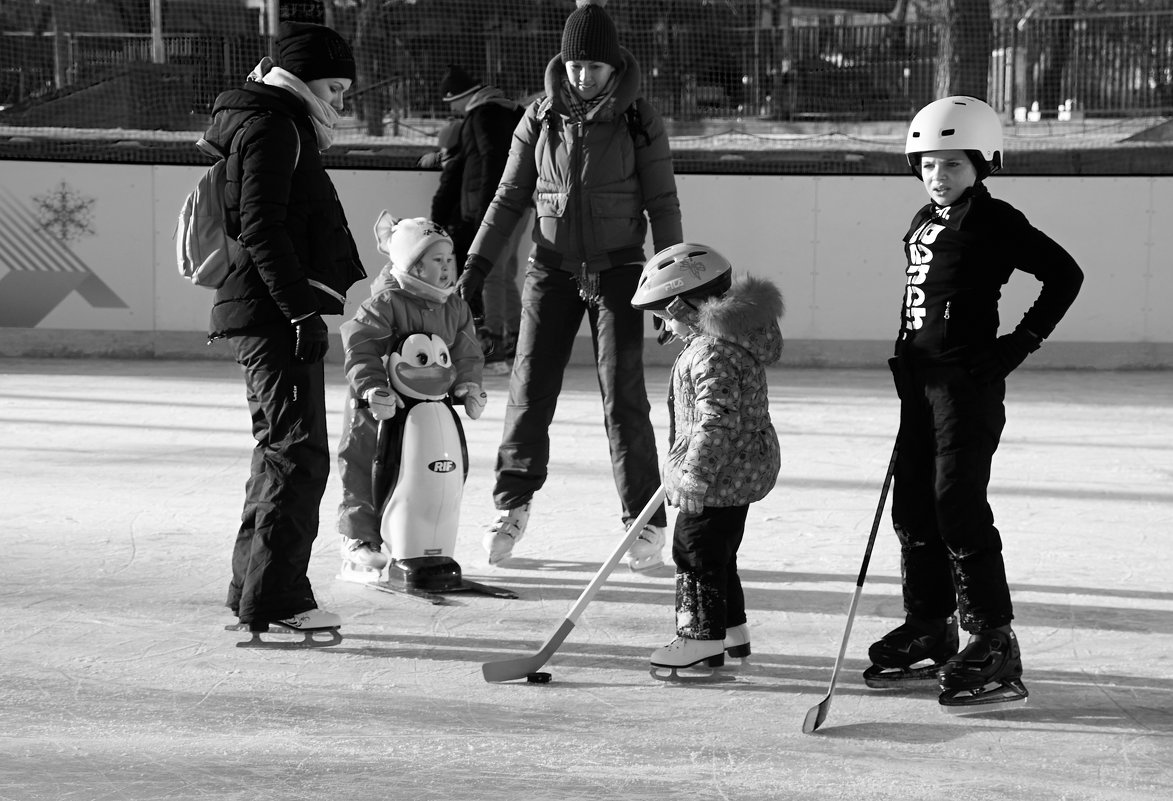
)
(470, 177)
(298, 256)
(959, 258)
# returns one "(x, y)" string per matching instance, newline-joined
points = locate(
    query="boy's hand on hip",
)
(1000, 359)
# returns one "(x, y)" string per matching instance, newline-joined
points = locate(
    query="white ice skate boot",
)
(645, 552)
(362, 562)
(684, 652)
(737, 641)
(363, 553)
(312, 620)
(506, 531)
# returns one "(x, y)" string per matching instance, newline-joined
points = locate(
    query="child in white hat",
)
(413, 294)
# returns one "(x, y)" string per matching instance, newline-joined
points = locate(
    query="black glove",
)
(472, 279)
(311, 339)
(996, 361)
(894, 366)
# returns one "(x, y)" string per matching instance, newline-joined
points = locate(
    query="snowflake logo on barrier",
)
(64, 213)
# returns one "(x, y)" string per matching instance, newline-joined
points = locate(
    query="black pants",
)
(709, 598)
(290, 465)
(951, 553)
(551, 313)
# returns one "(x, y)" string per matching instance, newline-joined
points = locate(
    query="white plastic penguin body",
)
(422, 512)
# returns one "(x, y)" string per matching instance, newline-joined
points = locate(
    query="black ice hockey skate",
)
(284, 637)
(987, 672)
(912, 653)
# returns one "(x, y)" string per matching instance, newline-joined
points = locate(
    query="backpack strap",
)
(635, 125)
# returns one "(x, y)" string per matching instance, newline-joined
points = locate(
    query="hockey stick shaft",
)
(818, 713)
(510, 669)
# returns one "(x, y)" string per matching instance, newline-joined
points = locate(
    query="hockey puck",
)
(538, 678)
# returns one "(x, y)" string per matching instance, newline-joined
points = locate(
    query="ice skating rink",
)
(121, 484)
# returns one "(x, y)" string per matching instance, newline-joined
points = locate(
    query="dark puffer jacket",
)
(592, 183)
(299, 257)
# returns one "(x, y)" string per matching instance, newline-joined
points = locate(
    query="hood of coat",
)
(489, 96)
(234, 106)
(746, 315)
(627, 88)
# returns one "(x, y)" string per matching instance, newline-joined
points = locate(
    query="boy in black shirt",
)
(950, 369)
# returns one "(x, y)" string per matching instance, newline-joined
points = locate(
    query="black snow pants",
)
(951, 553)
(709, 597)
(290, 465)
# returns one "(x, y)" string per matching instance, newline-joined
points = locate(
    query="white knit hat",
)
(405, 239)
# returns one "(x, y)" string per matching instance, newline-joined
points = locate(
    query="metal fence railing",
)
(1105, 65)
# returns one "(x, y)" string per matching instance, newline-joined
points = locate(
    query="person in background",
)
(471, 170)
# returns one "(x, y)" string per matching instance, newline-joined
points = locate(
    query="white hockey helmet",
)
(687, 270)
(956, 123)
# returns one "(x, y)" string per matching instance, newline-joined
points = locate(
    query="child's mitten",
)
(474, 398)
(383, 402)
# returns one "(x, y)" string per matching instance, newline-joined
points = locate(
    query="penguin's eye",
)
(423, 359)
(441, 352)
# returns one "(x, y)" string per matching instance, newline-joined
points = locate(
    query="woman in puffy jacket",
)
(297, 262)
(593, 156)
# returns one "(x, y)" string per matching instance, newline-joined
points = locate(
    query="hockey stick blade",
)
(818, 713)
(511, 669)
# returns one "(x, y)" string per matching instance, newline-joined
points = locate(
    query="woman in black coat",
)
(297, 262)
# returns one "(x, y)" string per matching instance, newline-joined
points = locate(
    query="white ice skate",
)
(645, 552)
(312, 620)
(684, 652)
(737, 641)
(362, 562)
(505, 532)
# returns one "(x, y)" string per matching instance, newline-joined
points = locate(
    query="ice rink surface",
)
(121, 486)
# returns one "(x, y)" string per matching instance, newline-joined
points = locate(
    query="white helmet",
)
(956, 123)
(686, 270)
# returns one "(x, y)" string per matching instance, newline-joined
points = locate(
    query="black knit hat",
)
(456, 84)
(312, 51)
(590, 35)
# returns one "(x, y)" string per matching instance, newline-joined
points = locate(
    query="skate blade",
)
(879, 678)
(988, 698)
(692, 674)
(310, 638)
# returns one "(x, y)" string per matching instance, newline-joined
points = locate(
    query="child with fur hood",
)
(414, 293)
(723, 452)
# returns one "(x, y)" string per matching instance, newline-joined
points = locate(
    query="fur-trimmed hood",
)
(746, 315)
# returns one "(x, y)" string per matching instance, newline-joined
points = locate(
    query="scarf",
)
(581, 110)
(586, 110)
(322, 114)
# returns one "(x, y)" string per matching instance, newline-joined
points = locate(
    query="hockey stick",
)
(510, 669)
(818, 713)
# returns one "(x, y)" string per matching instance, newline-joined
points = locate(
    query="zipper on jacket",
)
(945, 327)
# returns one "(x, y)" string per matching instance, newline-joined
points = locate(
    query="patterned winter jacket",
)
(592, 183)
(298, 256)
(721, 439)
(390, 314)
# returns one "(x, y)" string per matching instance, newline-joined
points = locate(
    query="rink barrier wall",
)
(87, 265)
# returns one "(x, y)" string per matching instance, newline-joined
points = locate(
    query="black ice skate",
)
(987, 671)
(912, 653)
